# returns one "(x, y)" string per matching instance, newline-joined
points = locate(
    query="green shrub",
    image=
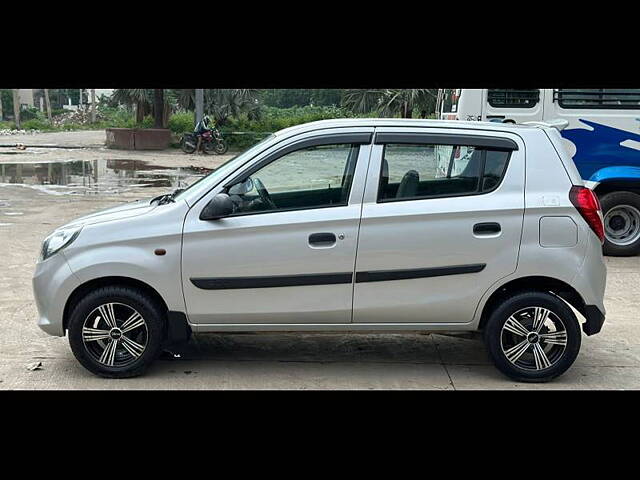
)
(28, 114)
(180, 123)
(273, 119)
(7, 126)
(36, 124)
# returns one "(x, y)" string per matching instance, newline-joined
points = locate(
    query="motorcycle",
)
(212, 142)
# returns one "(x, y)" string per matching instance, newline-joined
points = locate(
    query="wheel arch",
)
(539, 283)
(108, 281)
(617, 185)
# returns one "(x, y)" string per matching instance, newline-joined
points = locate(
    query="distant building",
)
(65, 98)
(25, 97)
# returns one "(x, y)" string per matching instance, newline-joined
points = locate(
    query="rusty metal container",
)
(138, 138)
(121, 138)
(152, 138)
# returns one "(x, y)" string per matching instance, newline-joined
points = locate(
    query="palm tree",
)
(223, 103)
(362, 101)
(391, 102)
(140, 98)
(158, 108)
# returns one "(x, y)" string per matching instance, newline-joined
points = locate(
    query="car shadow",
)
(331, 347)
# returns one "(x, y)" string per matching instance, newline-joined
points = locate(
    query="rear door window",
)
(429, 171)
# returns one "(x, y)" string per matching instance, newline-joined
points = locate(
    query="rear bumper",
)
(595, 320)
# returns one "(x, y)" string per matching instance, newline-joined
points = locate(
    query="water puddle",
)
(96, 176)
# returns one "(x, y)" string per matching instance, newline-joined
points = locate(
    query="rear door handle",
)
(322, 239)
(487, 228)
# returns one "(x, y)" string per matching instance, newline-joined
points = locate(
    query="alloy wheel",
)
(115, 334)
(533, 338)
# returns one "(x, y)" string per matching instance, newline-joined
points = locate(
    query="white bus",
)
(603, 137)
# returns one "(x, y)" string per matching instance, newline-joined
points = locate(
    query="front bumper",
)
(595, 319)
(53, 283)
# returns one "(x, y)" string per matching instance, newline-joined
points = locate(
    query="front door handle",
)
(487, 228)
(322, 239)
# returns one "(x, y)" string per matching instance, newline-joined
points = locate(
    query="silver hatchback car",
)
(344, 225)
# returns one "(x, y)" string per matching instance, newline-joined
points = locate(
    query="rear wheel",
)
(621, 212)
(188, 144)
(116, 332)
(533, 337)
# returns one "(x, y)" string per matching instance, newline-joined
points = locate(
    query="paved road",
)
(81, 138)
(276, 361)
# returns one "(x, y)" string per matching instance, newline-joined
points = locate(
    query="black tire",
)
(561, 358)
(217, 147)
(221, 147)
(124, 298)
(620, 200)
(187, 145)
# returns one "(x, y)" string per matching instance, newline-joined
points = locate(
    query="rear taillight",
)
(588, 205)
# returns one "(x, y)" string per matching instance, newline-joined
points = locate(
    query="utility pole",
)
(80, 100)
(199, 104)
(47, 102)
(16, 108)
(93, 105)
(1, 113)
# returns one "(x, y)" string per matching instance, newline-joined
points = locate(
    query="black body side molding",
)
(227, 283)
(386, 275)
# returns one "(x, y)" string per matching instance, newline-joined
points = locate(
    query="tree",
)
(6, 97)
(326, 96)
(47, 102)
(158, 108)
(286, 97)
(93, 106)
(223, 103)
(362, 101)
(391, 102)
(16, 108)
(137, 98)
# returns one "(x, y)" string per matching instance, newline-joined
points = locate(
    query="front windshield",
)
(206, 182)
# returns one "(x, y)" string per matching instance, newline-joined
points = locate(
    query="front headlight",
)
(58, 240)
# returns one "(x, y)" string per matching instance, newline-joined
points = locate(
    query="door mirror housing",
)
(220, 206)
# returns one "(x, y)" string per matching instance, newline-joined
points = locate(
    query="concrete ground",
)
(609, 360)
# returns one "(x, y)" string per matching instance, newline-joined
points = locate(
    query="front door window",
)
(314, 177)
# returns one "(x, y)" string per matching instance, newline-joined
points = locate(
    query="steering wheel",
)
(264, 195)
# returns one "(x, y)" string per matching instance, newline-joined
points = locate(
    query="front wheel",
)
(116, 331)
(533, 337)
(621, 212)
(219, 147)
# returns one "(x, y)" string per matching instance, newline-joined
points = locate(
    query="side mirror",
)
(219, 206)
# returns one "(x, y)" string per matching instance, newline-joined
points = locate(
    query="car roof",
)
(403, 122)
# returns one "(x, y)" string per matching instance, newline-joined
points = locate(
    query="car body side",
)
(123, 248)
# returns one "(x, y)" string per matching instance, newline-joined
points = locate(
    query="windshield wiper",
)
(167, 197)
